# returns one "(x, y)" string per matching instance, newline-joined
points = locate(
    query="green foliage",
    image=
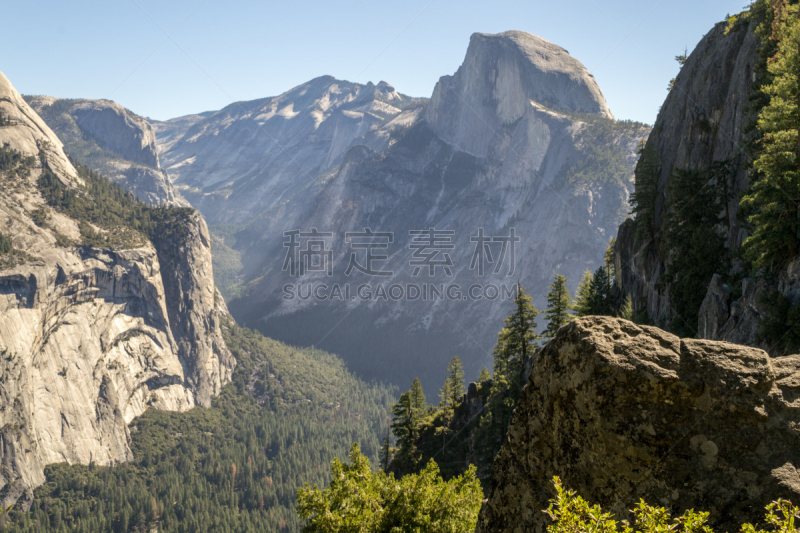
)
(645, 194)
(360, 500)
(418, 401)
(600, 300)
(582, 295)
(693, 243)
(234, 467)
(13, 161)
(626, 310)
(5, 244)
(773, 200)
(516, 342)
(405, 427)
(484, 375)
(572, 514)
(559, 304)
(453, 386)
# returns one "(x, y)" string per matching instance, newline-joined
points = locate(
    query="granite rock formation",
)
(111, 140)
(621, 412)
(90, 337)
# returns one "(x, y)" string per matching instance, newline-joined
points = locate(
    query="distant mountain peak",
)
(500, 76)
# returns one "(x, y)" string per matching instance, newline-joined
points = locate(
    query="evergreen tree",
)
(600, 300)
(455, 380)
(774, 197)
(583, 295)
(386, 453)
(608, 259)
(484, 376)
(516, 342)
(418, 401)
(405, 427)
(559, 304)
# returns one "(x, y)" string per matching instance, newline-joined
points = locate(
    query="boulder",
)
(622, 412)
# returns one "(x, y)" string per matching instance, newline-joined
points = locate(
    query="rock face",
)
(90, 338)
(701, 122)
(254, 155)
(622, 412)
(111, 140)
(500, 77)
(340, 158)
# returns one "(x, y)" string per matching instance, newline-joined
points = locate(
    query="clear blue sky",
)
(220, 51)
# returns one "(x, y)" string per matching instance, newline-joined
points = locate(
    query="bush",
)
(572, 514)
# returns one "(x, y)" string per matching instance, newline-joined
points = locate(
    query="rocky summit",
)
(501, 76)
(113, 141)
(621, 412)
(90, 337)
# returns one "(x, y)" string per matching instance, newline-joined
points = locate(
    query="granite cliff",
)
(91, 337)
(705, 121)
(621, 412)
(112, 140)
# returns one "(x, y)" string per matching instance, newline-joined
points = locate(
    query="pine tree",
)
(405, 427)
(418, 401)
(608, 259)
(455, 380)
(774, 197)
(484, 376)
(583, 294)
(600, 301)
(559, 305)
(385, 455)
(516, 342)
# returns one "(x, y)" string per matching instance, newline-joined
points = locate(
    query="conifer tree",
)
(774, 197)
(583, 295)
(386, 452)
(608, 259)
(559, 305)
(455, 380)
(600, 301)
(484, 376)
(405, 427)
(418, 401)
(516, 342)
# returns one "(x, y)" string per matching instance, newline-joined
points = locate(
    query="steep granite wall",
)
(90, 338)
(111, 140)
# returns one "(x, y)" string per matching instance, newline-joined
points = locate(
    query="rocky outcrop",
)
(622, 412)
(495, 85)
(90, 338)
(111, 140)
(702, 121)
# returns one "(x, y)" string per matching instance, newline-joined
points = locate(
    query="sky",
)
(164, 59)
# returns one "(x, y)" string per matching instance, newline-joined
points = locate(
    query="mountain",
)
(519, 137)
(113, 141)
(107, 307)
(252, 156)
(621, 412)
(703, 146)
